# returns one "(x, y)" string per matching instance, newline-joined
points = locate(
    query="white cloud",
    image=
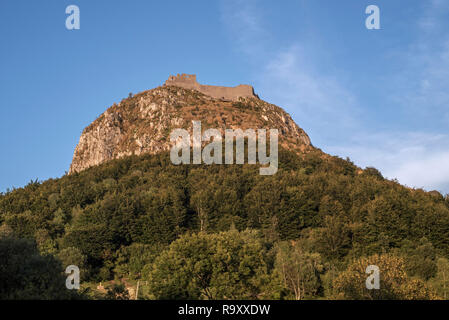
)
(433, 16)
(422, 89)
(425, 83)
(318, 99)
(330, 113)
(417, 160)
(242, 19)
(286, 76)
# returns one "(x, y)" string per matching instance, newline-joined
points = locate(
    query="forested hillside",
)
(225, 232)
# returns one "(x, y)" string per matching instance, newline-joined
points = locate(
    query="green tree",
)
(441, 280)
(227, 265)
(394, 282)
(131, 260)
(117, 292)
(299, 270)
(25, 274)
(332, 240)
(73, 256)
(420, 259)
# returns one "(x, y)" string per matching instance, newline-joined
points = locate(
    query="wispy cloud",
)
(414, 158)
(324, 106)
(418, 159)
(287, 75)
(424, 92)
(424, 83)
(434, 13)
(319, 100)
(243, 21)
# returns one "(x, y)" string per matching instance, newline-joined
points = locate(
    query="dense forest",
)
(224, 232)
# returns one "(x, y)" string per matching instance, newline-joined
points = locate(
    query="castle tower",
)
(188, 81)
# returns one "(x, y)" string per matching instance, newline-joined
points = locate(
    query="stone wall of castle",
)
(188, 81)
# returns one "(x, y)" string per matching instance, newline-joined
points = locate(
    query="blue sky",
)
(380, 97)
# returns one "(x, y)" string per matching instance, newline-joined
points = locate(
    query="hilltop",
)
(126, 213)
(142, 123)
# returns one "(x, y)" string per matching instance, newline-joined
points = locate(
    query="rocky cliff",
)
(142, 123)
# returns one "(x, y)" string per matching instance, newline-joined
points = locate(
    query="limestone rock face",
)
(143, 123)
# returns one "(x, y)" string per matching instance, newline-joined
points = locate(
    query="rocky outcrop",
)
(142, 123)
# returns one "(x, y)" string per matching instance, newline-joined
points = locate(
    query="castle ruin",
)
(188, 81)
